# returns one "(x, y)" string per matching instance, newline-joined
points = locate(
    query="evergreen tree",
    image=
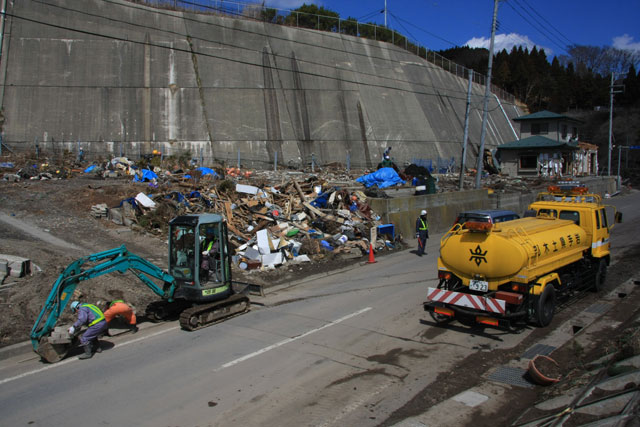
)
(631, 95)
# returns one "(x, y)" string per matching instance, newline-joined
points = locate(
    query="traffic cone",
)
(372, 259)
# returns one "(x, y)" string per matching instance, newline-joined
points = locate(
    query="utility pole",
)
(612, 91)
(466, 132)
(610, 124)
(385, 13)
(487, 92)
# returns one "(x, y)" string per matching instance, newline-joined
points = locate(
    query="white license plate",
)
(479, 285)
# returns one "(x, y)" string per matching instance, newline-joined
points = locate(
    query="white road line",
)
(64, 362)
(288, 340)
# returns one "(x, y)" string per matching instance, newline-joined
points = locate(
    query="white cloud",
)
(507, 41)
(626, 42)
(286, 4)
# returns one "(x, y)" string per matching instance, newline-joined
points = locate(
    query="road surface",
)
(348, 349)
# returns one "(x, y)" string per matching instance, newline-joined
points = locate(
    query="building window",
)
(539, 128)
(564, 131)
(528, 161)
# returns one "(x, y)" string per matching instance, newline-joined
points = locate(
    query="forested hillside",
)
(577, 84)
(579, 81)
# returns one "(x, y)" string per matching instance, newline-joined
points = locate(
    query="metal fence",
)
(257, 11)
(86, 153)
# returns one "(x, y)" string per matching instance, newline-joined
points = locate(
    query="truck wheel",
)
(440, 318)
(601, 275)
(545, 306)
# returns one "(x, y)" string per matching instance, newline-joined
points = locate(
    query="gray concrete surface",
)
(112, 76)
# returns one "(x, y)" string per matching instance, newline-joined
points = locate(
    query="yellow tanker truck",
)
(512, 273)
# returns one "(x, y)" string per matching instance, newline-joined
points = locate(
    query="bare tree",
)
(602, 60)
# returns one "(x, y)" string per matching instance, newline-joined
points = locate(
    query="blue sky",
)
(550, 24)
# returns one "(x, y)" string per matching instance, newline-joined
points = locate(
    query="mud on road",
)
(574, 359)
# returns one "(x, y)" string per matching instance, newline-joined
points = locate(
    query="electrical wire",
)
(254, 50)
(428, 32)
(571, 43)
(535, 27)
(370, 15)
(385, 59)
(542, 26)
(518, 39)
(400, 24)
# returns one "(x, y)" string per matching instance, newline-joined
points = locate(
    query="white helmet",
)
(423, 212)
(74, 306)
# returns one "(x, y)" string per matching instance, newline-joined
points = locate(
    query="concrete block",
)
(116, 216)
(16, 266)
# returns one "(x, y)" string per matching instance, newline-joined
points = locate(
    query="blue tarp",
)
(90, 168)
(178, 196)
(207, 171)
(147, 175)
(321, 201)
(383, 177)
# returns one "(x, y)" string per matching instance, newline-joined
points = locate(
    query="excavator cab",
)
(200, 263)
(199, 257)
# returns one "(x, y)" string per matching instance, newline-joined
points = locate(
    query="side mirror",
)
(618, 217)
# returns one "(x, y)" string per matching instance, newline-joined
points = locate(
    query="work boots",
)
(133, 329)
(88, 354)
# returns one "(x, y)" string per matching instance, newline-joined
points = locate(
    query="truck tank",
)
(520, 250)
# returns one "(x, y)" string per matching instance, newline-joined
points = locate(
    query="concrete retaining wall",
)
(117, 77)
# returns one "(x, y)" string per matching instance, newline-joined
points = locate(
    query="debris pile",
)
(272, 217)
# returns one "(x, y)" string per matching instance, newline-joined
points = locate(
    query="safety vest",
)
(99, 317)
(210, 246)
(424, 226)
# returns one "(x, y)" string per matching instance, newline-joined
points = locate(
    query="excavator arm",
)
(117, 259)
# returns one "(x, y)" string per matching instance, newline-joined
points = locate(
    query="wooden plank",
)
(321, 214)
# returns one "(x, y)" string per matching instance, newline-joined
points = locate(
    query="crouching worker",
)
(90, 315)
(120, 308)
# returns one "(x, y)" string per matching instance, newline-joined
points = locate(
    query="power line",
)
(256, 51)
(187, 51)
(563, 48)
(549, 23)
(370, 15)
(400, 24)
(542, 26)
(427, 32)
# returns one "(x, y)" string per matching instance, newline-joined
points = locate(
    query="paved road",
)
(346, 349)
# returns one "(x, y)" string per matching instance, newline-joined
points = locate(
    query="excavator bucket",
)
(52, 353)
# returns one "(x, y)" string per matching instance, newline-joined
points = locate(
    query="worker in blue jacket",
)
(92, 316)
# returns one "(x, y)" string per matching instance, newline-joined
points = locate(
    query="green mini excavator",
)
(197, 288)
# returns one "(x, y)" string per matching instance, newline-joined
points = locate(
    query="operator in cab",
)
(210, 251)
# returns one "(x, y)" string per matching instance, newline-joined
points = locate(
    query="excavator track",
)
(159, 311)
(201, 316)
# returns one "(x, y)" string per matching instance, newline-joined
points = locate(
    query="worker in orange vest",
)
(121, 308)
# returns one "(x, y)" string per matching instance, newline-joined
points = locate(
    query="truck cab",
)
(584, 209)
